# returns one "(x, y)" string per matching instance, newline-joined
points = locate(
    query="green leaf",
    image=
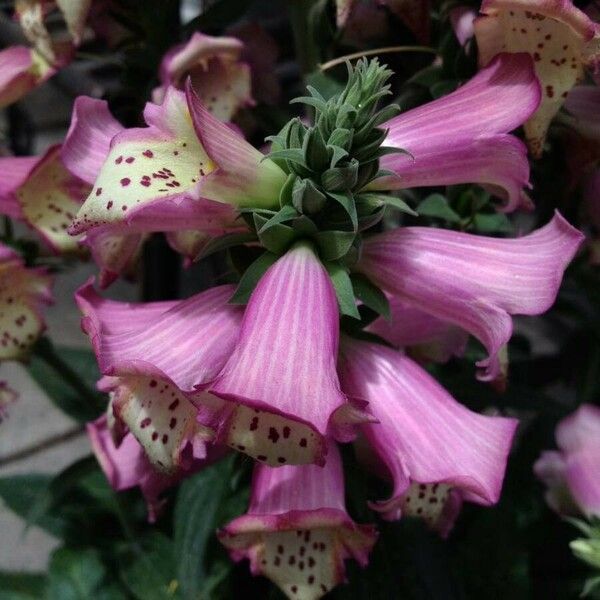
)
(284, 214)
(317, 103)
(151, 575)
(492, 223)
(22, 586)
(251, 277)
(343, 289)
(199, 501)
(388, 200)
(370, 295)
(347, 202)
(306, 197)
(437, 206)
(590, 585)
(277, 238)
(341, 179)
(334, 244)
(337, 153)
(224, 242)
(83, 363)
(74, 574)
(294, 155)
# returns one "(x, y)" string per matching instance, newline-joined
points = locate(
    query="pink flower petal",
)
(430, 444)
(461, 18)
(87, 143)
(296, 531)
(280, 384)
(472, 281)
(558, 36)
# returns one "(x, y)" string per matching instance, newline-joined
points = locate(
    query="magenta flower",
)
(221, 80)
(297, 531)
(572, 474)
(436, 451)
(472, 281)
(24, 292)
(126, 466)
(561, 39)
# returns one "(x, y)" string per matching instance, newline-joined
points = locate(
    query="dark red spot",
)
(153, 383)
(172, 423)
(303, 443)
(129, 159)
(273, 435)
(145, 422)
(148, 153)
(154, 436)
(98, 191)
(280, 549)
(294, 589)
(286, 432)
(281, 460)
(165, 438)
(119, 160)
(174, 404)
(292, 560)
(109, 204)
(125, 181)
(311, 579)
(254, 424)
(261, 457)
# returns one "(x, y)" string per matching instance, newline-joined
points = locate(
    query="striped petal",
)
(296, 531)
(436, 451)
(472, 281)
(280, 384)
(559, 37)
(460, 138)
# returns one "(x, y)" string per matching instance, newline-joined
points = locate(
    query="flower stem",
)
(386, 50)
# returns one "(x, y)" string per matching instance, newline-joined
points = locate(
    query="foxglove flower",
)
(437, 452)
(280, 383)
(474, 282)
(126, 466)
(24, 292)
(561, 39)
(297, 531)
(221, 80)
(572, 474)
(473, 144)
(461, 19)
(21, 70)
(152, 388)
(42, 193)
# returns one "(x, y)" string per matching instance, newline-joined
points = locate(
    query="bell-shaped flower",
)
(280, 384)
(461, 19)
(153, 363)
(126, 466)
(297, 531)
(21, 70)
(218, 75)
(167, 177)
(24, 292)
(427, 336)
(8, 396)
(572, 474)
(437, 452)
(463, 137)
(42, 193)
(474, 282)
(561, 39)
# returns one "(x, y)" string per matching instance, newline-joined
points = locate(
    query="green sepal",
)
(293, 155)
(224, 242)
(341, 137)
(251, 278)
(343, 289)
(316, 156)
(437, 206)
(286, 213)
(276, 238)
(341, 179)
(346, 116)
(347, 202)
(303, 226)
(337, 153)
(317, 103)
(367, 150)
(306, 198)
(388, 200)
(285, 195)
(369, 218)
(370, 295)
(367, 172)
(334, 245)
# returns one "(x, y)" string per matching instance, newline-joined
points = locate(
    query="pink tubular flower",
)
(219, 77)
(125, 465)
(461, 18)
(296, 531)
(572, 475)
(560, 38)
(472, 281)
(21, 70)
(473, 144)
(23, 294)
(42, 193)
(152, 382)
(280, 384)
(436, 451)
(427, 336)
